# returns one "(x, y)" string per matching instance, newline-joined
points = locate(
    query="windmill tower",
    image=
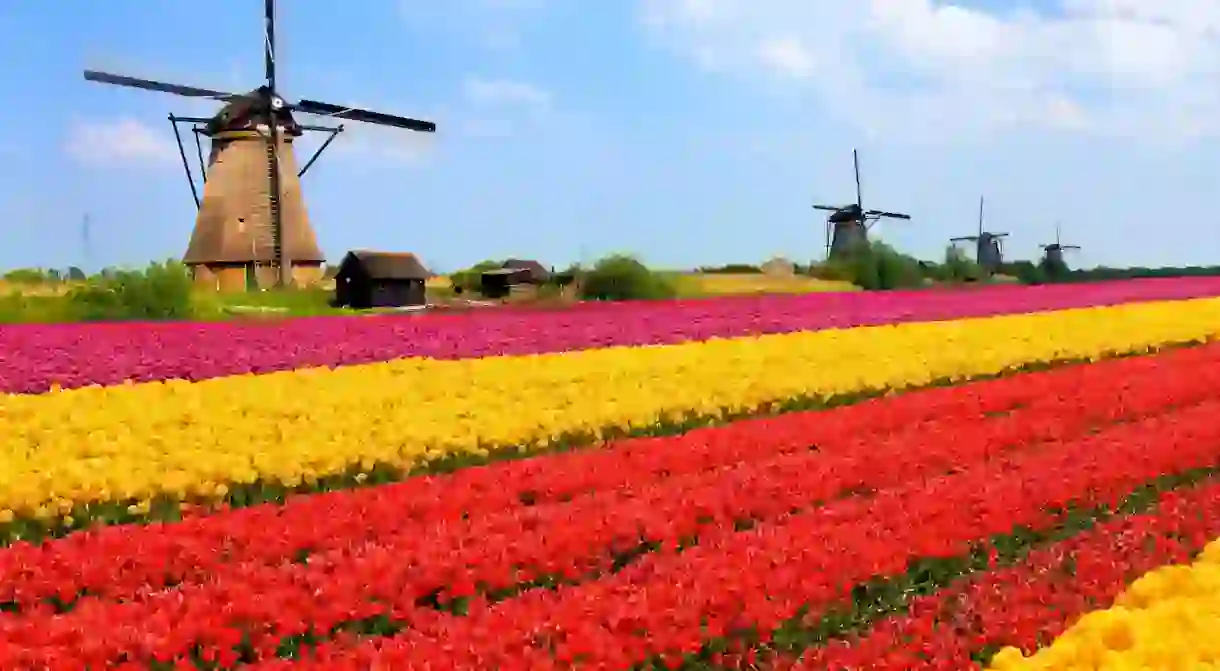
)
(848, 225)
(989, 250)
(252, 228)
(1053, 253)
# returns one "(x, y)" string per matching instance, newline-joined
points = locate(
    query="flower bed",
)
(699, 549)
(1166, 620)
(33, 358)
(160, 444)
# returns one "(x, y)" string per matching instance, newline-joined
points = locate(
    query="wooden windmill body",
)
(233, 245)
(252, 229)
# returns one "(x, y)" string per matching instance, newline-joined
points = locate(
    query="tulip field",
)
(1004, 478)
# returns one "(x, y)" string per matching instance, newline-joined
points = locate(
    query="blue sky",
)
(687, 131)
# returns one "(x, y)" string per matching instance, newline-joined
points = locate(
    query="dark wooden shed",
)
(380, 280)
(520, 273)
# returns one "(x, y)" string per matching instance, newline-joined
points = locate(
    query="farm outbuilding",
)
(513, 275)
(369, 279)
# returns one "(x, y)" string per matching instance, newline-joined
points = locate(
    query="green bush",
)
(567, 276)
(20, 309)
(896, 270)
(1026, 272)
(620, 277)
(471, 279)
(161, 291)
(960, 268)
(874, 267)
(732, 269)
(30, 276)
(831, 271)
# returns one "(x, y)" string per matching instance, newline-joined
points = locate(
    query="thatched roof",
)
(384, 265)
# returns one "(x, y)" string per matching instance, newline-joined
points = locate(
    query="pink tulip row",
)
(35, 357)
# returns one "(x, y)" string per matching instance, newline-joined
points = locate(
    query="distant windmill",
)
(989, 250)
(1054, 251)
(848, 225)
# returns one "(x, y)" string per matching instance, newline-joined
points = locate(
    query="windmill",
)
(848, 225)
(989, 250)
(1053, 253)
(251, 227)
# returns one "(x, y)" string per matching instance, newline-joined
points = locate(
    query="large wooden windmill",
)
(847, 226)
(252, 228)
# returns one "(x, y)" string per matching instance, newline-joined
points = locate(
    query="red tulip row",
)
(670, 604)
(1026, 604)
(862, 538)
(503, 552)
(122, 562)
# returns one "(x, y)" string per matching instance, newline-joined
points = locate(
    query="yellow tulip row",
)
(197, 441)
(1168, 619)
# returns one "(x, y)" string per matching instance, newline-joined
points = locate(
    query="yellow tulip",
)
(194, 440)
(1167, 619)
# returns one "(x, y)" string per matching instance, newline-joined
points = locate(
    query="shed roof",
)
(386, 265)
(536, 270)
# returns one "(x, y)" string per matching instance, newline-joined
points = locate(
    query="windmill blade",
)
(269, 43)
(855, 159)
(981, 215)
(366, 116)
(152, 85)
(829, 208)
(965, 238)
(1069, 246)
(890, 215)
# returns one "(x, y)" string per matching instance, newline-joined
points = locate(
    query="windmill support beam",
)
(186, 164)
(203, 168)
(334, 133)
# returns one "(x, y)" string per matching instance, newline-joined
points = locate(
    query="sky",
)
(688, 132)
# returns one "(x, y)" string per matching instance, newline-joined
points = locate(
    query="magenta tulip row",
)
(35, 357)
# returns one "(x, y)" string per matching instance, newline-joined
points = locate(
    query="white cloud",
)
(506, 92)
(1123, 67)
(787, 55)
(118, 141)
(498, 108)
(365, 142)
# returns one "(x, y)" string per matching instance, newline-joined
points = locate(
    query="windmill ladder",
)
(273, 207)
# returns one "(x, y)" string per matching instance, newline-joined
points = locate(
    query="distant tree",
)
(76, 274)
(471, 278)
(26, 276)
(621, 277)
(160, 291)
(959, 267)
